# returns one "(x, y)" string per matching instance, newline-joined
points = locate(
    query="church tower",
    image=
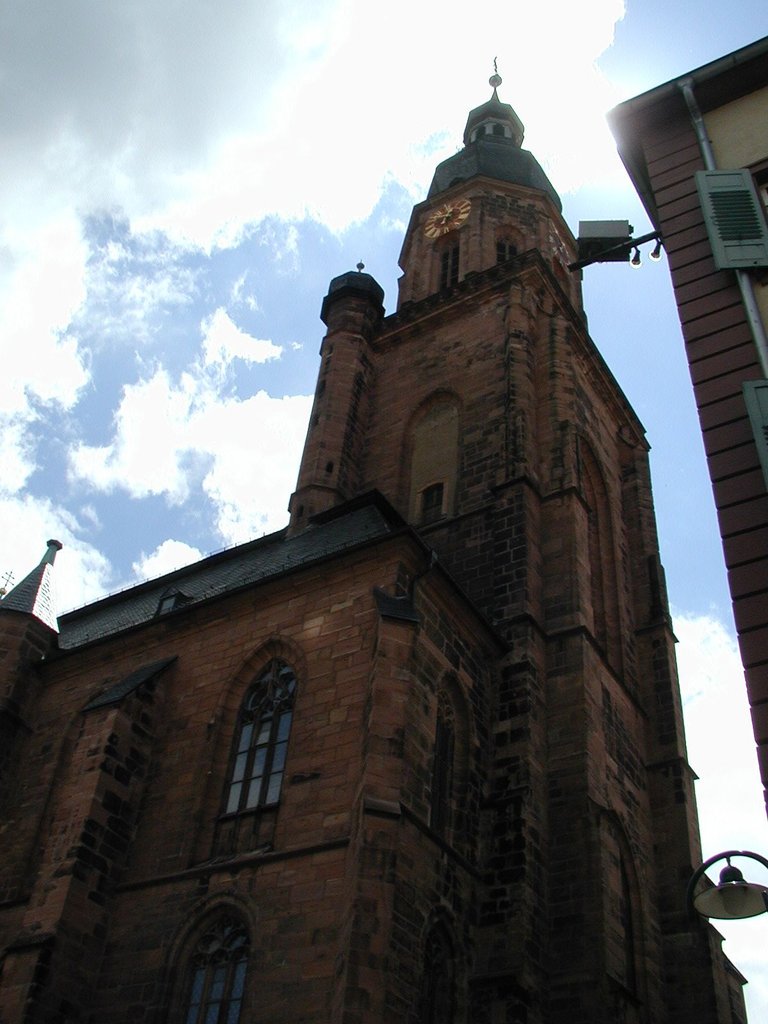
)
(485, 414)
(417, 758)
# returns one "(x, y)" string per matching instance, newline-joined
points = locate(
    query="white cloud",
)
(721, 750)
(145, 457)
(17, 457)
(42, 290)
(239, 296)
(347, 123)
(170, 555)
(170, 439)
(255, 448)
(129, 282)
(81, 574)
(223, 341)
(721, 747)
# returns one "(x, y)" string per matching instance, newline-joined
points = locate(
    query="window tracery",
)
(217, 974)
(262, 740)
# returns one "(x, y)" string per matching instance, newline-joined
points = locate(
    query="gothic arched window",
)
(620, 907)
(434, 457)
(600, 560)
(217, 974)
(442, 765)
(437, 982)
(628, 929)
(262, 740)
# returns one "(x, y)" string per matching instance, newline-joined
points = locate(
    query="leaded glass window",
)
(262, 740)
(217, 974)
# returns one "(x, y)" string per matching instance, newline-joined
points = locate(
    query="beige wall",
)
(738, 130)
(739, 138)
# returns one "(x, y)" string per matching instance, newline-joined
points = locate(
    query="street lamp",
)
(732, 898)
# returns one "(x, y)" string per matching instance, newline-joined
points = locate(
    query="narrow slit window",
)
(442, 767)
(449, 267)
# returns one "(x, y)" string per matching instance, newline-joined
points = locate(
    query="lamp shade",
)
(733, 898)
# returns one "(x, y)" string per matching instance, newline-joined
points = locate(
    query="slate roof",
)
(129, 683)
(495, 158)
(342, 529)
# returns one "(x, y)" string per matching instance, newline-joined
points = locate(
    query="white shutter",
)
(734, 218)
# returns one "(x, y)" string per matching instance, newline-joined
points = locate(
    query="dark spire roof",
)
(493, 139)
(357, 283)
(34, 595)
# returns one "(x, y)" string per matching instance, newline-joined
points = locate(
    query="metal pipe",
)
(743, 279)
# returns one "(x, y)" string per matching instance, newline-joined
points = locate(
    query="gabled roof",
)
(339, 530)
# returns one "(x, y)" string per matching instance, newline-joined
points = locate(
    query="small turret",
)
(331, 465)
(28, 631)
(34, 595)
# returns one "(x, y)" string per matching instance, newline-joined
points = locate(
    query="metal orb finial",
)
(495, 80)
(360, 267)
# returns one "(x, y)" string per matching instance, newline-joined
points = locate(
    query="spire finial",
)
(495, 80)
(52, 547)
(360, 267)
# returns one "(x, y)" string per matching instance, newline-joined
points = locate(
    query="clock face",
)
(447, 217)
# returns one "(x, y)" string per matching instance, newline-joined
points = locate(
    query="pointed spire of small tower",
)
(34, 595)
(28, 631)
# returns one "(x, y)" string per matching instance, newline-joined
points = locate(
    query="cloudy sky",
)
(178, 184)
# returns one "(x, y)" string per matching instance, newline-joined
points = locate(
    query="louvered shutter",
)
(756, 398)
(734, 218)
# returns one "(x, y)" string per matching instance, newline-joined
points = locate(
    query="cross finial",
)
(5, 586)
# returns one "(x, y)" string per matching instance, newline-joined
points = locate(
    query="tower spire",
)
(34, 595)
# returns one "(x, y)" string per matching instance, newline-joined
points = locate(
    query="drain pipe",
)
(742, 276)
